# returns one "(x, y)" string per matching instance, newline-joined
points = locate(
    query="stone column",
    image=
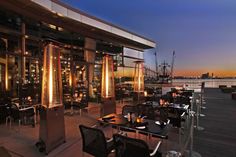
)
(89, 56)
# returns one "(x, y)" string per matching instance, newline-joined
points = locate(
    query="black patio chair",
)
(16, 115)
(146, 111)
(129, 109)
(130, 147)
(163, 114)
(125, 110)
(3, 112)
(95, 143)
(172, 114)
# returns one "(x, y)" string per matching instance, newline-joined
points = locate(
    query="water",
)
(210, 83)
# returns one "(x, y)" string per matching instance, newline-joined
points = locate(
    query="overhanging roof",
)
(62, 15)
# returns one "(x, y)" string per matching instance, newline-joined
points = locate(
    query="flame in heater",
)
(139, 81)
(6, 73)
(51, 78)
(107, 77)
(70, 80)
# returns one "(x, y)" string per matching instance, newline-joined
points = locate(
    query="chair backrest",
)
(4, 112)
(129, 147)
(146, 110)
(128, 108)
(14, 111)
(29, 112)
(182, 100)
(94, 141)
(163, 114)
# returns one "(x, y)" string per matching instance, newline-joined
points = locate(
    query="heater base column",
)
(138, 97)
(52, 128)
(108, 106)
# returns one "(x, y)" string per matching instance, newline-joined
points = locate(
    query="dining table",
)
(147, 126)
(179, 107)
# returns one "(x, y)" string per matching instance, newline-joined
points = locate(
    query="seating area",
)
(151, 120)
(22, 118)
(12, 111)
(118, 134)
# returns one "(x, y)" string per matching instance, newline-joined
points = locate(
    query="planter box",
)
(233, 86)
(227, 90)
(222, 86)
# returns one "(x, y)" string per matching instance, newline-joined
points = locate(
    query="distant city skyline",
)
(202, 33)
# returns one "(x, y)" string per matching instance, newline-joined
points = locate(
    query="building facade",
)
(25, 27)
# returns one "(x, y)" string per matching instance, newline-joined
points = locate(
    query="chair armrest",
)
(109, 140)
(94, 126)
(156, 148)
(182, 114)
(122, 133)
(168, 121)
(144, 117)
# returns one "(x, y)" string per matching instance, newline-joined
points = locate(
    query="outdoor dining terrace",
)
(217, 139)
(168, 125)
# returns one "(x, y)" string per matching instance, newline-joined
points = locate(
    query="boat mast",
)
(172, 67)
(156, 64)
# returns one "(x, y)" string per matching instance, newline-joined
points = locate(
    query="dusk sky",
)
(202, 32)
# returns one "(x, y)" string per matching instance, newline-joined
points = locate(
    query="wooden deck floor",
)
(219, 137)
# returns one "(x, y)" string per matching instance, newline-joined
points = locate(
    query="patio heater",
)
(107, 87)
(52, 126)
(138, 94)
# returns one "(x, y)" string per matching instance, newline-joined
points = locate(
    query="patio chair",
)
(146, 111)
(16, 115)
(94, 142)
(129, 108)
(125, 110)
(128, 147)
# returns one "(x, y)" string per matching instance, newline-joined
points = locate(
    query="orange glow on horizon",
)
(199, 72)
(183, 72)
